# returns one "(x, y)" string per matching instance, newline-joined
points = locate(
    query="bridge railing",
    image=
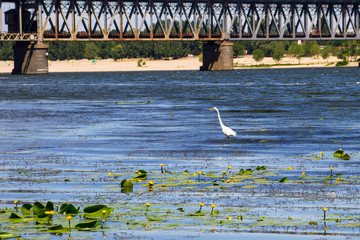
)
(164, 20)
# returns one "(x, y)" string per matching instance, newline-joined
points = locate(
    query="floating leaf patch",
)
(87, 225)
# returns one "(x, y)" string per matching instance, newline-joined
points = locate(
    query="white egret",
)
(226, 130)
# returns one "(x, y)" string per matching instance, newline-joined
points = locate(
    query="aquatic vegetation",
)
(127, 186)
(69, 217)
(324, 209)
(133, 214)
(341, 154)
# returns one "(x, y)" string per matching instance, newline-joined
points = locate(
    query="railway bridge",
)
(31, 23)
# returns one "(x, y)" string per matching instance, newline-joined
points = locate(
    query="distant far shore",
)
(188, 63)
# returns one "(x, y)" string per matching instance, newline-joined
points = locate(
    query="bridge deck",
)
(174, 20)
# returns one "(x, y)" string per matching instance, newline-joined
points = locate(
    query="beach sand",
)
(188, 63)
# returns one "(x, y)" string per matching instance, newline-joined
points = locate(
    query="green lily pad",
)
(248, 171)
(4, 235)
(96, 211)
(37, 208)
(68, 209)
(340, 154)
(56, 227)
(198, 213)
(284, 179)
(26, 209)
(126, 186)
(87, 225)
(49, 206)
(261, 168)
(15, 216)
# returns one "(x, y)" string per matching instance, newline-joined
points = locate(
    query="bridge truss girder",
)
(157, 20)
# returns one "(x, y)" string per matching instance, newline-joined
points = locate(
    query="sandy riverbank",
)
(189, 63)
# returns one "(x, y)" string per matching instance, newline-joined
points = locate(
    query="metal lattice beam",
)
(158, 20)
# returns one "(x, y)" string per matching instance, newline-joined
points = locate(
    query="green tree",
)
(91, 50)
(277, 55)
(311, 48)
(6, 51)
(325, 52)
(353, 49)
(117, 52)
(238, 49)
(277, 51)
(258, 55)
(296, 50)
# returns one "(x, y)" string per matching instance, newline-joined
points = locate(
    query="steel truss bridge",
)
(164, 20)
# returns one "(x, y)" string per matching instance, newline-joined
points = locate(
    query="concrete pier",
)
(30, 58)
(217, 56)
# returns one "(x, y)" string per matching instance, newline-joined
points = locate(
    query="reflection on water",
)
(80, 124)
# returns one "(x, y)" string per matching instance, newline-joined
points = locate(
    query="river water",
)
(58, 131)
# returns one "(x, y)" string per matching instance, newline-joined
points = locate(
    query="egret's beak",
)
(211, 108)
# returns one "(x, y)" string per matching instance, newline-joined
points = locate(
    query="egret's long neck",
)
(221, 124)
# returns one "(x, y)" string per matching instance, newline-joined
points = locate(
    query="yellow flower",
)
(303, 173)
(15, 201)
(290, 168)
(161, 165)
(103, 211)
(201, 204)
(49, 212)
(224, 172)
(321, 153)
(109, 173)
(151, 182)
(148, 204)
(199, 172)
(324, 209)
(228, 181)
(331, 168)
(229, 218)
(229, 167)
(213, 205)
(69, 217)
(194, 174)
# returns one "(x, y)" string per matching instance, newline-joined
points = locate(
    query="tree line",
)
(345, 50)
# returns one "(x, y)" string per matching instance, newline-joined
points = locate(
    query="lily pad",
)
(340, 154)
(96, 211)
(126, 186)
(87, 225)
(15, 216)
(56, 227)
(4, 235)
(68, 209)
(37, 208)
(26, 209)
(284, 179)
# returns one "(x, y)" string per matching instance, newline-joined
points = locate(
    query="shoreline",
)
(187, 63)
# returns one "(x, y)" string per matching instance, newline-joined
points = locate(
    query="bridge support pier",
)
(30, 58)
(217, 56)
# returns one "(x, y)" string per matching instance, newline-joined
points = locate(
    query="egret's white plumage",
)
(226, 130)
